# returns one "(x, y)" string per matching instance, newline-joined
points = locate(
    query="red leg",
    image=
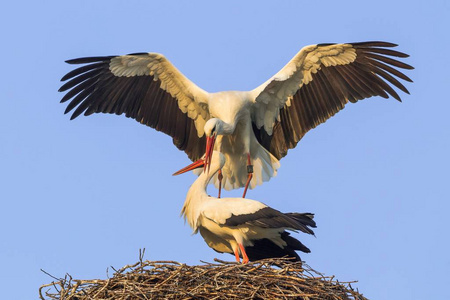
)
(236, 254)
(244, 255)
(220, 176)
(250, 174)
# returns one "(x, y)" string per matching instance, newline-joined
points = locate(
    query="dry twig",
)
(265, 279)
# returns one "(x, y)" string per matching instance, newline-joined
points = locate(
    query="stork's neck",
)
(198, 188)
(228, 128)
(196, 196)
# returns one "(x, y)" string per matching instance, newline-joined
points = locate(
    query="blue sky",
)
(80, 196)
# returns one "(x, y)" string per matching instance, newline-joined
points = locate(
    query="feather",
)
(155, 101)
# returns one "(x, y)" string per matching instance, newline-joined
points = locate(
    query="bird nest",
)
(265, 279)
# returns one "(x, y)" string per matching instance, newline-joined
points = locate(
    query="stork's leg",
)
(244, 255)
(220, 176)
(249, 172)
(236, 254)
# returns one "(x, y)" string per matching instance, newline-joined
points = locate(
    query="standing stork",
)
(248, 228)
(254, 129)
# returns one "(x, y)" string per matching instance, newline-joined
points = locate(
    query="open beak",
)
(198, 164)
(210, 141)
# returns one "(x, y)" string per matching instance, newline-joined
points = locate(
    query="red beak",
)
(210, 141)
(198, 164)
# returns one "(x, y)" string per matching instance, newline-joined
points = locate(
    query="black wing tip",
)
(64, 78)
(73, 116)
(65, 98)
(138, 53)
(408, 79)
(409, 67)
(325, 44)
(71, 61)
(89, 59)
(365, 44)
(395, 96)
(67, 110)
(374, 44)
(406, 92)
(75, 61)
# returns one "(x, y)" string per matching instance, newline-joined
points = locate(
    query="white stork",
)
(255, 128)
(248, 228)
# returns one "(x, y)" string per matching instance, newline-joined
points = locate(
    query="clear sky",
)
(80, 196)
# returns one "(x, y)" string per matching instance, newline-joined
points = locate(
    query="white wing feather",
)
(191, 99)
(277, 92)
(229, 207)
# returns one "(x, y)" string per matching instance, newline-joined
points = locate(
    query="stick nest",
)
(265, 279)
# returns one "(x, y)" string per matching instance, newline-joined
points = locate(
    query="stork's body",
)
(245, 227)
(231, 123)
(257, 127)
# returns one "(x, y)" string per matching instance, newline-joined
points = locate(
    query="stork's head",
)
(212, 128)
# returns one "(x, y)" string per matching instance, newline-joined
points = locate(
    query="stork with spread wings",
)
(252, 129)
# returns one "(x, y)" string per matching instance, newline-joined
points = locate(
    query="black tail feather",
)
(265, 248)
(303, 218)
(293, 243)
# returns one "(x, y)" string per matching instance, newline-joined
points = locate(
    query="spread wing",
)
(317, 83)
(145, 87)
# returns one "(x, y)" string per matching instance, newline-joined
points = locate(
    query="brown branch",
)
(266, 279)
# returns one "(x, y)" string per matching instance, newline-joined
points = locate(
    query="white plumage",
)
(254, 127)
(245, 227)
